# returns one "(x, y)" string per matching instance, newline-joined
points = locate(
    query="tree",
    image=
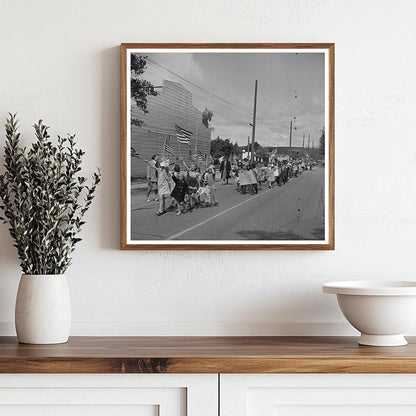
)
(140, 88)
(206, 118)
(236, 150)
(221, 147)
(227, 148)
(322, 142)
(257, 146)
(216, 148)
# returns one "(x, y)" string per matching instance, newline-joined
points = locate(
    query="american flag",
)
(183, 136)
(134, 152)
(168, 149)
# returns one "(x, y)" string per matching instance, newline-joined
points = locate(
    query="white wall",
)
(60, 61)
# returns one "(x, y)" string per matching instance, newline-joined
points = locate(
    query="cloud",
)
(224, 78)
(174, 67)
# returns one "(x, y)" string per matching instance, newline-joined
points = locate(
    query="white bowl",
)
(381, 311)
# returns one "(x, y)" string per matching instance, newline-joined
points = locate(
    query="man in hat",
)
(225, 169)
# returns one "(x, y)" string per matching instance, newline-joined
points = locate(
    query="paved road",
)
(294, 211)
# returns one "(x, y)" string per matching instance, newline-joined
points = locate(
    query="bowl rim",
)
(371, 288)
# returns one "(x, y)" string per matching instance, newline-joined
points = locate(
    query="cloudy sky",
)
(289, 85)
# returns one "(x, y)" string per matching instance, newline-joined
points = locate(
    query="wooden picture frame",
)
(140, 227)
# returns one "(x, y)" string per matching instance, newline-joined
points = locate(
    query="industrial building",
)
(171, 109)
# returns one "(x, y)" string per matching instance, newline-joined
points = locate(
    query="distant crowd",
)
(249, 177)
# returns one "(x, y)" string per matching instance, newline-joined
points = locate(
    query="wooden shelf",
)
(206, 355)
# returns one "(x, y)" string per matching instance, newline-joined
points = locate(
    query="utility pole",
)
(309, 139)
(290, 135)
(253, 133)
(303, 143)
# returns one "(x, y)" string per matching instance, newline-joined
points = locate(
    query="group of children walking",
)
(188, 188)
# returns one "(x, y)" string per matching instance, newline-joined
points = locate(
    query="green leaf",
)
(44, 198)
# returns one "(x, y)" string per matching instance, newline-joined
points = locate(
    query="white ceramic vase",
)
(43, 309)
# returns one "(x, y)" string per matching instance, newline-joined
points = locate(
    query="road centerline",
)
(172, 237)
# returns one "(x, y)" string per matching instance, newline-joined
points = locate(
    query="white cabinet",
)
(197, 394)
(317, 394)
(109, 395)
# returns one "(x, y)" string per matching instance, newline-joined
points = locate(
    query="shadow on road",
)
(149, 207)
(318, 234)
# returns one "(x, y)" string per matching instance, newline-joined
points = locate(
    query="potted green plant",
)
(44, 199)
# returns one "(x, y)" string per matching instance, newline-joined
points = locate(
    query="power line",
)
(212, 94)
(201, 88)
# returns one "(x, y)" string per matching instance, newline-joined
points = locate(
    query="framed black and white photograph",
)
(227, 146)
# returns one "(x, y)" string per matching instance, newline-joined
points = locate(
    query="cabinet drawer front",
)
(317, 394)
(108, 395)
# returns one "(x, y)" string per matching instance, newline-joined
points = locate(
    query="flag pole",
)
(164, 148)
(180, 149)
